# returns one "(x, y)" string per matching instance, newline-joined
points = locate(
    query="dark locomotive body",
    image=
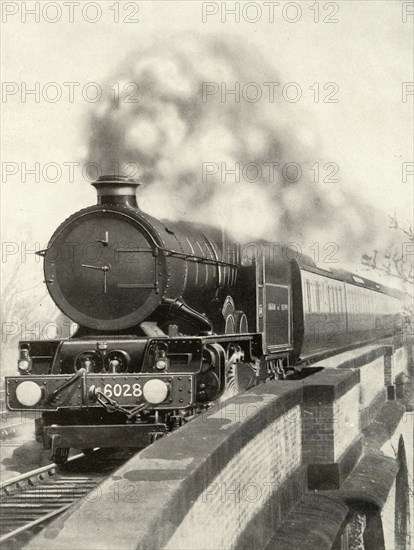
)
(172, 318)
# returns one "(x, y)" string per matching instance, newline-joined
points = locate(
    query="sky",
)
(368, 54)
(348, 59)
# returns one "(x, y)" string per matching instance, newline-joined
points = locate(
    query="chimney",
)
(117, 190)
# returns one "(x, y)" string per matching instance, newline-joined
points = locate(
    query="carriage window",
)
(318, 297)
(313, 299)
(308, 295)
(323, 308)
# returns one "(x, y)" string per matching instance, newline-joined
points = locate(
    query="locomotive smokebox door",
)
(102, 268)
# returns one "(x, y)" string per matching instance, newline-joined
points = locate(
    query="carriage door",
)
(273, 308)
(277, 315)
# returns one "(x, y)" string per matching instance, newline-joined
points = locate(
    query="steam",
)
(171, 133)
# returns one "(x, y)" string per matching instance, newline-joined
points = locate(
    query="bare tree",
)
(26, 308)
(397, 260)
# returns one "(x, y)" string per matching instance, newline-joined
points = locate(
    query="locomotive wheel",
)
(208, 386)
(228, 315)
(230, 325)
(240, 321)
(60, 455)
(235, 322)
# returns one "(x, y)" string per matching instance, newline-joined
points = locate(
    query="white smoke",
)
(171, 133)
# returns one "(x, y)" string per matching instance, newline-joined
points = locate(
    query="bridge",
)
(322, 462)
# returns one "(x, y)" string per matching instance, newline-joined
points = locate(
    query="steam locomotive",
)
(173, 318)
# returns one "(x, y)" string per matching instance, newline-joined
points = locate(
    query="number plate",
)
(122, 390)
(126, 390)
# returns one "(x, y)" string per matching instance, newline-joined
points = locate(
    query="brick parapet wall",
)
(305, 530)
(367, 494)
(388, 366)
(400, 361)
(377, 367)
(346, 421)
(396, 360)
(337, 408)
(245, 485)
(368, 413)
(331, 404)
(230, 478)
(371, 381)
(252, 439)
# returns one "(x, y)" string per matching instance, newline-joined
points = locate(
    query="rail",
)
(30, 500)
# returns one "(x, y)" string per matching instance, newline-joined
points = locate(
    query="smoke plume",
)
(172, 133)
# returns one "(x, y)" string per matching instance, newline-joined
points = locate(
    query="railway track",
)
(28, 502)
